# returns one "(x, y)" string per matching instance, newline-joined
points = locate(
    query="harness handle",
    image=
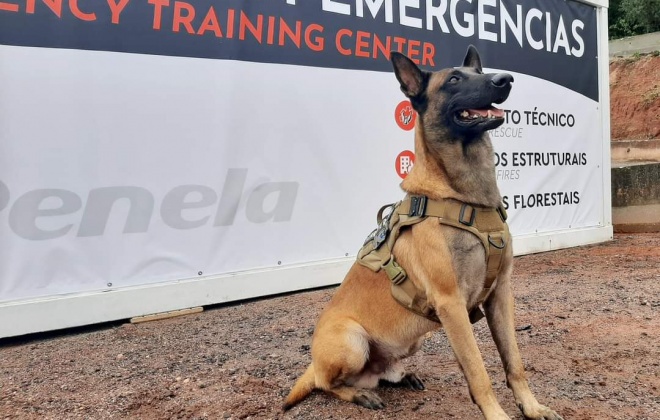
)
(379, 218)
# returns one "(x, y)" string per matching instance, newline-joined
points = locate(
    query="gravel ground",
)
(589, 332)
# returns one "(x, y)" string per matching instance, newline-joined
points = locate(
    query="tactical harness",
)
(488, 224)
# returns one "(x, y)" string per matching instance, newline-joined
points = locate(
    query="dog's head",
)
(455, 104)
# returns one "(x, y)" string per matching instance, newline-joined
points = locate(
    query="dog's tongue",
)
(496, 112)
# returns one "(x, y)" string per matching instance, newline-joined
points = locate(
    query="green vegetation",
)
(650, 97)
(633, 17)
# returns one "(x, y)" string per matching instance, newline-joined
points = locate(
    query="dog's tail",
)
(302, 388)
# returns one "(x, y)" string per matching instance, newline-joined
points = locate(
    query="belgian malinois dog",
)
(364, 333)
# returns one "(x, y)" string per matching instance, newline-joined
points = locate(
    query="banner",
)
(153, 141)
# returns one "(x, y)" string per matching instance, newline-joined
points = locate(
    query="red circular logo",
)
(405, 115)
(404, 163)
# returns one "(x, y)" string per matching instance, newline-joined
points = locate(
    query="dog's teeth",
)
(489, 114)
(464, 114)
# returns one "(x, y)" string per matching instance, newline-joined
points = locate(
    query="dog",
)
(364, 333)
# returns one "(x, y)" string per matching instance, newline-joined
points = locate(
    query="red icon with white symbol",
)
(405, 115)
(404, 163)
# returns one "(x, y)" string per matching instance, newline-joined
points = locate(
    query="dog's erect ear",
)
(472, 58)
(412, 79)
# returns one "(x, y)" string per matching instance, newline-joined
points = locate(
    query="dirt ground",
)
(589, 331)
(635, 98)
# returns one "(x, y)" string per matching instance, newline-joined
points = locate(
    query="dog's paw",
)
(368, 399)
(540, 412)
(411, 381)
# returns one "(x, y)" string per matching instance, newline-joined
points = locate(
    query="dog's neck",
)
(454, 170)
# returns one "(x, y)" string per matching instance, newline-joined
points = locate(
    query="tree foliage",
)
(633, 17)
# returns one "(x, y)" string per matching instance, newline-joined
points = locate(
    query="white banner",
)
(549, 158)
(265, 169)
(264, 144)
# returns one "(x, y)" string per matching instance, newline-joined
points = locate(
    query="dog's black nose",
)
(502, 79)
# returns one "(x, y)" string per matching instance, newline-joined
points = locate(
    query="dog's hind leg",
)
(364, 397)
(395, 376)
(499, 313)
(340, 352)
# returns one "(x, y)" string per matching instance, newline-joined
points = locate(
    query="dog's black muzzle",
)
(501, 82)
(471, 109)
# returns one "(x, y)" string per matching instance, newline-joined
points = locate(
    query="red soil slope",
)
(635, 98)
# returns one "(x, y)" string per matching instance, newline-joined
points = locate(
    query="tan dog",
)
(364, 333)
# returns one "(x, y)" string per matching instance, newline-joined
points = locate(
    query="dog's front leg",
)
(451, 309)
(499, 313)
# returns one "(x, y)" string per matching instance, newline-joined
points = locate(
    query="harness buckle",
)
(473, 215)
(394, 271)
(417, 206)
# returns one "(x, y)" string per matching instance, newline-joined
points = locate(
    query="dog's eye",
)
(454, 79)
